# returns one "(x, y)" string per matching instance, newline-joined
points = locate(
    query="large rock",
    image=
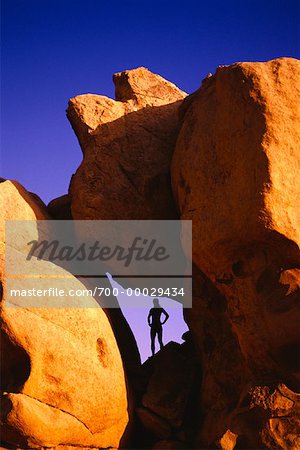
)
(235, 169)
(127, 147)
(170, 386)
(235, 173)
(60, 208)
(61, 370)
(17, 204)
(223, 375)
(152, 422)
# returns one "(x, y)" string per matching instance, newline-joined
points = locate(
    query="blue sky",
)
(55, 49)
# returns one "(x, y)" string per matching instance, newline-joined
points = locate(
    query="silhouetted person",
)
(156, 324)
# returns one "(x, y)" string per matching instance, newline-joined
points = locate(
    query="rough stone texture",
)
(60, 208)
(228, 171)
(16, 203)
(167, 404)
(154, 423)
(145, 88)
(125, 173)
(235, 173)
(170, 384)
(127, 147)
(61, 371)
(282, 406)
(38, 202)
(228, 441)
(126, 341)
(19, 204)
(223, 378)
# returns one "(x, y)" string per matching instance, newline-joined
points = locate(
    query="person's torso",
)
(156, 315)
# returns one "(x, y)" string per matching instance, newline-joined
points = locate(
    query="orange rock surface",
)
(127, 147)
(62, 376)
(235, 173)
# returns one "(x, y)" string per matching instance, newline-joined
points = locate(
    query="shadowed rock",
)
(60, 208)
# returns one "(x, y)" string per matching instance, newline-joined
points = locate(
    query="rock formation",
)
(170, 385)
(60, 208)
(232, 152)
(235, 173)
(168, 402)
(127, 147)
(62, 376)
(17, 204)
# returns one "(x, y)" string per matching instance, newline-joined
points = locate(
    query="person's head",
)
(156, 303)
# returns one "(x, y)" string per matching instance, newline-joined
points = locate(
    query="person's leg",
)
(159, 335)
(152, 334)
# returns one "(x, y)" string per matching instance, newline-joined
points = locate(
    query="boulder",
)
(154, 423)
(37, 199)
(168, 401)
(39, 202)
(127, 146)
(223, 375)
(235, 168)
(60, 208)
(19, 204)
(170, 387)
(16, 203)
(62, 376)
(235, 173)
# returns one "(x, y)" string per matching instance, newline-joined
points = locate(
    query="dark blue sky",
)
(55, 49)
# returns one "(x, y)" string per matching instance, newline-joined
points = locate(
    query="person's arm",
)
(149, 318)
(166, 314)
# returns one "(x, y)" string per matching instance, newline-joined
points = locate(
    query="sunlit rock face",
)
(17, 204)
(62, 378)
(235, 173)
(127, 147)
